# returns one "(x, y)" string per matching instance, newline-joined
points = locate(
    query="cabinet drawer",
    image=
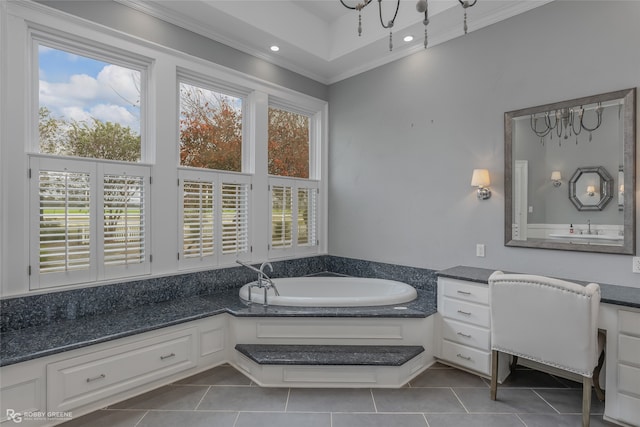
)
(465, 290)
(467, 357)
(629, 322)
(81, 380)
(629, 379)
(629, 407)
(466, 334)
(466, 312)
(629, 349)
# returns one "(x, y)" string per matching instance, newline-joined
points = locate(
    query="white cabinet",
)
(85, 379)
(623, 401)
(464, 338)
(22, 390)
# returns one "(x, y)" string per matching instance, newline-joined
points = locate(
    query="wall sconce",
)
(591, 190)
(480, 179)
(556, 176)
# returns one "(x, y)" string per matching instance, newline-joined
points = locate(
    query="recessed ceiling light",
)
(274, 48)
(408, 38)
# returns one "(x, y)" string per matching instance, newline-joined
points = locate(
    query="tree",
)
(288, 144)
(210, 130)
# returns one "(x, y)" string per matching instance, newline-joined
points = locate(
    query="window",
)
(214, 217)
(89, 194)
(88, 107)
(288, 143)
(294, 216)
(210, 129)
(89, 222)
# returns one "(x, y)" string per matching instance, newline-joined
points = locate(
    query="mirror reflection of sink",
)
(586, 236)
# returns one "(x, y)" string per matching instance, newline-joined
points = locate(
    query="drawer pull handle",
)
(466, 313)
(99, 377)
(464, 335)
(167, 356)
(463, 357)
(464, 293)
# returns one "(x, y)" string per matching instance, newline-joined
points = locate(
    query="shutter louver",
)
(281, 216)
(307, 213)
(124, 220)
(235, 218)
(198, 222)
(65, 230)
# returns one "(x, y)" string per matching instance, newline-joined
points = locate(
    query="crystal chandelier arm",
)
(599, 122)
(358, 6)
(391, 22)
(534, 125)
(580, 113)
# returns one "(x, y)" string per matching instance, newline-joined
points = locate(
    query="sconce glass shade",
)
(556, 176)
(621, 188)
(480, 178)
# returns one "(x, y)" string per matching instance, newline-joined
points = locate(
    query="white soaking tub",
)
(332, 292)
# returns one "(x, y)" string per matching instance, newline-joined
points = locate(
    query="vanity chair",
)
(549, 321)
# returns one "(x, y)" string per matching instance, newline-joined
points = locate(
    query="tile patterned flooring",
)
(439, 397)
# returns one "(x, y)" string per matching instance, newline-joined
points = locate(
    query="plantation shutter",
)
(64, 226)
(197, 219)
(281, 216)
(235, 218)
(124, 220)
(307, 216)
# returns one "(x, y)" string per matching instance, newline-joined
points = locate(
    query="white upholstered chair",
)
(550, 321)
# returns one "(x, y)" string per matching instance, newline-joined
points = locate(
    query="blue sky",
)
(79, 88)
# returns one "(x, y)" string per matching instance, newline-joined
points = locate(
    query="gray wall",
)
(130, 21)
(405, 137)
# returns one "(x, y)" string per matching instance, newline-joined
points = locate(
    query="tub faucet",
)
(589, 226)
(263, 282)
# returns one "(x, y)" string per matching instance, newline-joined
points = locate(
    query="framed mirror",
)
(590, 188)
(559, 160)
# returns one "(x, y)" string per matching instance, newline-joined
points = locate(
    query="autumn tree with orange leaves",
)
(211, 134)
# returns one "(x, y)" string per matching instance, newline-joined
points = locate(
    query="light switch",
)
(480, 250)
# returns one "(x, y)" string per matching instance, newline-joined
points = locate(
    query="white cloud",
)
(115, 114)
(107, 97)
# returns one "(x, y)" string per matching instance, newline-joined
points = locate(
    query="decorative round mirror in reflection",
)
(590, 188)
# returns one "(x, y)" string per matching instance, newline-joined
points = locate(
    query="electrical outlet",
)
(636, 264)
(480, 250)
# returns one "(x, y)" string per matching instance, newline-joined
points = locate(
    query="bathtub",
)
(332, 292)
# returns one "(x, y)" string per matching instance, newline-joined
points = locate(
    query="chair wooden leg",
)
(602, 338)
(494, 374)
(586, 401)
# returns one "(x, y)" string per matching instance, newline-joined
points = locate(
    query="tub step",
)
(389, 355)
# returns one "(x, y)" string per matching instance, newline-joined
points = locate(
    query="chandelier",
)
(422, 7)
(565, 122)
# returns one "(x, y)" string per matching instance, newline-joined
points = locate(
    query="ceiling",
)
(319, 38)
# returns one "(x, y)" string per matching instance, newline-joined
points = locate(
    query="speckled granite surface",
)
(47, 324)
(352, 355)
(610, 294)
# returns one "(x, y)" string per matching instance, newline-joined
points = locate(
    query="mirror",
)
(558, 181)
(590, 188)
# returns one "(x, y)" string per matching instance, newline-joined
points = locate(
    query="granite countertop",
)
(30, 343)
(610, 294)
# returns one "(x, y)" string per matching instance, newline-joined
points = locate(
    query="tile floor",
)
(440, 397)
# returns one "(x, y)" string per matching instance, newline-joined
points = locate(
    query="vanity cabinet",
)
(465, 335)
(623, 374)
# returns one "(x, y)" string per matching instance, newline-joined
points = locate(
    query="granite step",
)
(330, 355)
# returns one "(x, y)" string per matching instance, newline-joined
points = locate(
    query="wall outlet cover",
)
(636, 264)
